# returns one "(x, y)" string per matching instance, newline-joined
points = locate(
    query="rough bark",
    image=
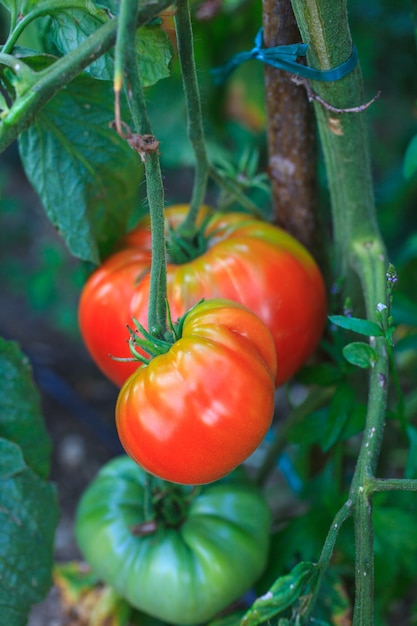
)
(291, 135)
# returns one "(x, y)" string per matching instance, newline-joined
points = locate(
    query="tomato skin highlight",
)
(246, 260)
(195, 413)
(184, 573)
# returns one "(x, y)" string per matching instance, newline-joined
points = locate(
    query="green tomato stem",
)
(126, 57)
(359, 249)
(194, 113)
(341, 516)
(374, 485)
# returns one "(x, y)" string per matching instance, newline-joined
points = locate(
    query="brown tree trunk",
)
(291, 135)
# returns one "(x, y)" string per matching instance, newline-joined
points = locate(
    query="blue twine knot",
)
(285, 58)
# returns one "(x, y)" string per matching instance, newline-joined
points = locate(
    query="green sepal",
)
(151, 343)
(183, 246)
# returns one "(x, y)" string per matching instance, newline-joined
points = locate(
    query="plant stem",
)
(359, 250)
(324, 25)
(126, 57)
(48, 82)
(326, 554)
(374, 485)
(194, 113)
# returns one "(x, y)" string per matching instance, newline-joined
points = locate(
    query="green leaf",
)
(17, 6)
(11, 459)
(28, 518)
(24, 7)
(357, 325)
(360, 354)
(21, 421)
(410, 159)
(66, 30)
(283, 593)
(28, 505)
(154, 54)
(86, 176)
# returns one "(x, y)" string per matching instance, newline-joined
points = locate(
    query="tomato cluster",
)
(253, 305)
(176, 527)
(243, 259)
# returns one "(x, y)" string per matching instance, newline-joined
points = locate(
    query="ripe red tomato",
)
(198, 411)
(245, 260)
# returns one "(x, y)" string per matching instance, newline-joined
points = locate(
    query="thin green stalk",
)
(326, 554)
(126, 59)
(358, 246)
(194, 112)
(47, 83)
(376, 485)
(361, 497)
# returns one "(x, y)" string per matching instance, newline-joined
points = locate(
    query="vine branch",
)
(126, 66)
(45, 84)
(360, 251)
(194, 113)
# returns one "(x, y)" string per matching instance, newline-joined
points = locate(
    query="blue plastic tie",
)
(285, 58)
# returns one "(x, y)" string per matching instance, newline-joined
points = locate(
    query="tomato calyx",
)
(184, 247)
(153, 343)
(149, 343)
(169, 507)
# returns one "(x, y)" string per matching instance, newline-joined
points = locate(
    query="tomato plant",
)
(238, 257)
(74, 89)
(196, 412)
(201, 549)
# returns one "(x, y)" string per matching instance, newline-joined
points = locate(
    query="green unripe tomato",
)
(203, 549)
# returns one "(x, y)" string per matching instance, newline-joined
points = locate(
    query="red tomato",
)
(245, 260)
(198, 411)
